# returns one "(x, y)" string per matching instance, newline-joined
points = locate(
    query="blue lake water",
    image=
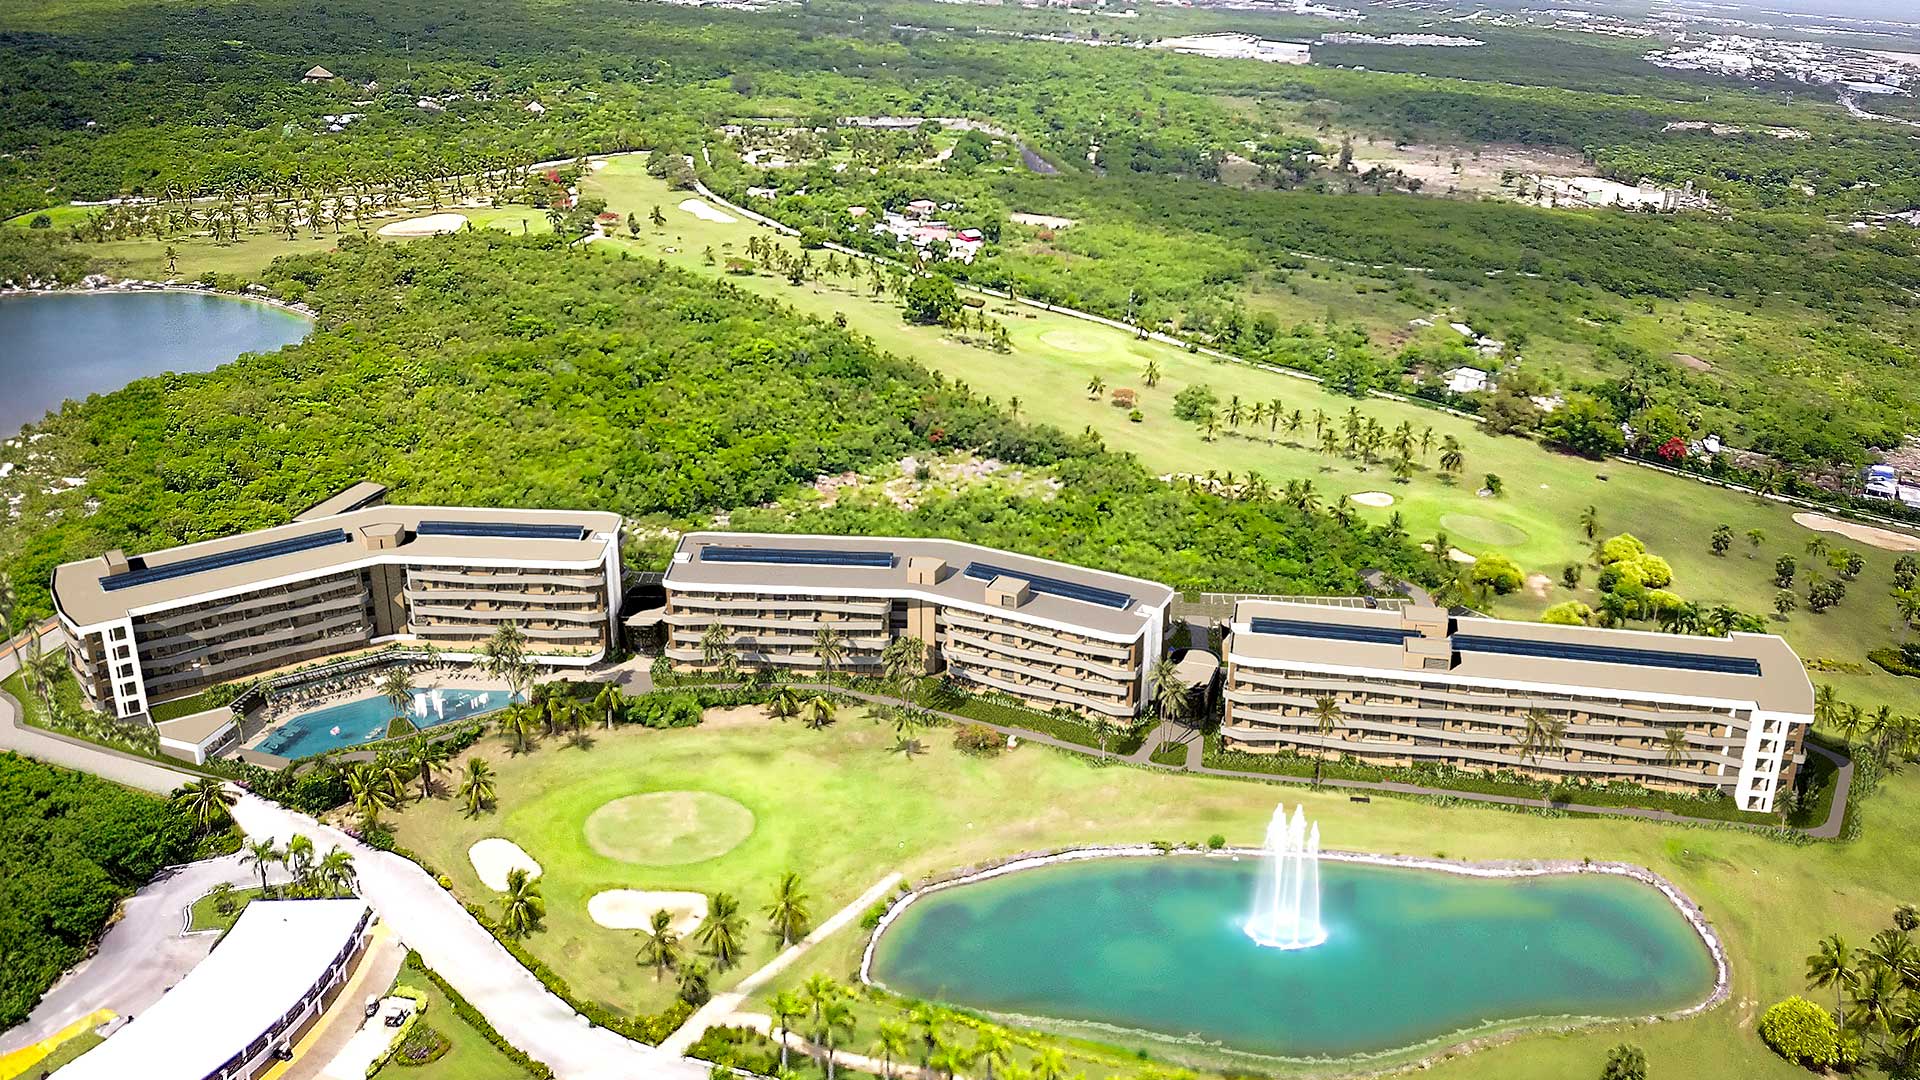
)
(1156, 947)
(65, 346)
(364, 720)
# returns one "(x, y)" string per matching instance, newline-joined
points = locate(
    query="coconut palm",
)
(397, 687)
(716, 649)
(1834, 965)
(927, 1018)
(1326, 719)
(299, 859)
(721, 934)
(335, 873)
(1170, 697)
(1050, 1064)
(1876, 1000)
(787, 915)
(992, 1049)
(830, 647)
(660, 944)
(370, 791)
(504, 656)
(836, 1020)
(785, 704)
(1453, 460)
(260, 854)
(695, 988)
(904, 659)
(949, 1059)
(889, 1045)
(817, 711)
(476, 786)
(422, 757)
(607, 703)
(1673, 747)
(1542, 736)
(1590, 522)
(208, 802)
(521, 906)
(785, 1007)
(517, 724)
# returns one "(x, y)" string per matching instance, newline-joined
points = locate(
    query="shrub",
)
(1621, 547)
(1498, 572)
(1625, 1062)
(1568, 613)
(477, 1021)
(1216, 842)
(422, 1046)
(979, 739)
(1194, 403)
(1801, 1032)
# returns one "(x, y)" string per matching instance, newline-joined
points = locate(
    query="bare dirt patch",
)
(1688, 360)
(1884, 539)
(1043, 221)
(431, 225)
(1538, 584)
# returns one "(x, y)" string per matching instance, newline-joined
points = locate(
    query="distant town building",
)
(1467, 380)
(318, 74)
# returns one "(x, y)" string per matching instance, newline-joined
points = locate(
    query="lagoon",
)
(56, 347)
(1152, 949)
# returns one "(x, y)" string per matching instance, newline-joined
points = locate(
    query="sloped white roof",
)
(274, 954)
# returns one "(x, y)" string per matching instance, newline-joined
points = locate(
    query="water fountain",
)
(1286, 896)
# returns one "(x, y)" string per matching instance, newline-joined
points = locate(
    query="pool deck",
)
(278, 716)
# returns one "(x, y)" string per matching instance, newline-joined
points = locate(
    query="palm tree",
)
(830, 647)
(1170, 698)
(336, 874)
(261, 854)
(817, 711)
(369, 791)
(1151, 376)
(1542, 736)
(476, 786)
(716, 648)
(1826, 704)
(1834, 966)
(788, 913)
(1326, 718)
(504, 657)
(1452, 459)
(949, 1059)
(521, 906)
(819, 989)
(516, 723)
(720, 934)
(991, 1048)
(904, 659)
(299, 859)
(607, 703)
(1876, 998)
(660, 944)
(1096, 386)
(785, 1007)
(890, 1044)
(836, 1019)
(785, 704)
(1590, 522)
(397, 688)
(695, 987)
(208, 802)
(1050, 1064)
(1673, 747)
(423, 756)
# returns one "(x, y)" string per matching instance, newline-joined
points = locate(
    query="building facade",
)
(1047, 633)
(349, 574)
(1409, 686)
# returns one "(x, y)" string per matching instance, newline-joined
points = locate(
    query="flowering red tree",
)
(1673, 450)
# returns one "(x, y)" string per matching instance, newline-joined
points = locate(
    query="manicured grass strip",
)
(469, 1059)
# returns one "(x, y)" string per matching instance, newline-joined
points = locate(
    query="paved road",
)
(134, 772)
(430, 920)
(143, 955)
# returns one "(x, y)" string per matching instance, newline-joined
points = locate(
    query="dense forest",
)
(517, 372)
(71, 848)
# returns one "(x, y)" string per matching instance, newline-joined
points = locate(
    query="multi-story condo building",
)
(347, 574)
(1045, 632)
(1413, 685)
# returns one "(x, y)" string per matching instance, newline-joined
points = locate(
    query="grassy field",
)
(840, 809)
(207, 917)
(471, 1056)
(63, 1055)
(1536, 520)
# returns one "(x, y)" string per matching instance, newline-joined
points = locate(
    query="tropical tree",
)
(904, 659)
(1590, 522)
(476, 786)
(721, 934)
(397, 687)
(717, 651)
(785, 1006)
(949, 1058)
(928, 1019)
(1170, 698)
(992, 1049)
(1453, 461)
(335, 873)
(261, 855)
(1673, 747)
(370, 792)
(836, 1020)
(299, 858)
(660, 944)
(695, 988)
(1051, 1062)
(830, 647)
(517, 723)
(889, 1045)
(1543, 735)
(504, 656)
(1326, 719)
(521, 906)
(208, 802)
(787, 915)
(1833, 965)
(422, 757)
(785, 704)
(607, 703)
(1151, 376)
(817, 711)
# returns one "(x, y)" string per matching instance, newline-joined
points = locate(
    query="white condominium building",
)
(1414, 685)
(1048, 633)
(347, 574)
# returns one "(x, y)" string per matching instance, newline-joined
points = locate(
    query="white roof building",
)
(263, 981)
(1467, 380)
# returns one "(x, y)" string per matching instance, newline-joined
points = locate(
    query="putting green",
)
(1068, 341)
(1483, 530)
(668, 828)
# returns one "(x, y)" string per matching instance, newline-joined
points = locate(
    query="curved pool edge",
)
(1462, 1041)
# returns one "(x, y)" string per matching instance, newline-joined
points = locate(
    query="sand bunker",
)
(1460, 556)
(700, 209)
(1884, 539)
(431, 225)
(632, 909)
(1042, 221)
(1372, 498)
(494, 857)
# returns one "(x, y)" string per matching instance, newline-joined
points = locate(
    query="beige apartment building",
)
(1047, 633)
(348, 574)
(1414, 685)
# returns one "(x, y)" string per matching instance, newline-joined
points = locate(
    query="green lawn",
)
(1535, 521)
(471, 1056)
(63, 1055)
(839, 808)
(206, 915)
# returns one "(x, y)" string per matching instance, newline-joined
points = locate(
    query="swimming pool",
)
(364, 720)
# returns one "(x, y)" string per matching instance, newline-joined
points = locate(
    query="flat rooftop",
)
(1093, 602)
(274, 954)
(92, 591)
(1760, 668)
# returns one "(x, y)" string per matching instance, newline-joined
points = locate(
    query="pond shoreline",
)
(109, 287)
(1360, 1063)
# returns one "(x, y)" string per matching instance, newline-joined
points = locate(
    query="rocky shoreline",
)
(101, 283)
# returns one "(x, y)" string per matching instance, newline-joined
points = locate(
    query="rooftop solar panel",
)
(1608, 654)
(510, 530)
(868, 560)
(146, 575)
(1071, 590)
(1307, 628)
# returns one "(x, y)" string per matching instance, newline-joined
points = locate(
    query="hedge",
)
(1801, 1032)
(464, 1009)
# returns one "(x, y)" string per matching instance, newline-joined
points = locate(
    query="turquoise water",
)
(63, 346)
(1154, 945)
(354, 722)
